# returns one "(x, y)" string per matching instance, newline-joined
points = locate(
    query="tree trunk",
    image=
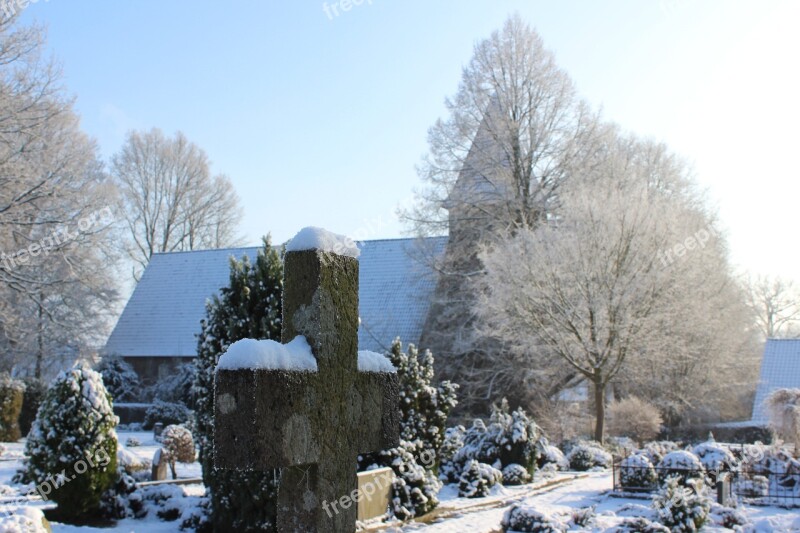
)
(599, 411)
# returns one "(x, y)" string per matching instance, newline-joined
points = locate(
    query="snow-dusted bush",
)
(35, 389)
(583, 517)
(680, 508)
(120, 379)
(477, 478)
(12, 392)
(680, 464)
(510, 438)
(636, 473)
(123, 499)
(715, 458)
(74, 433)
(588, 455)
(166, 413)
(453, 441)
(656, 450)
(549, 454)
(24, 520)
(639, 524)
(727, 517)
(634, 418)
(132, 442)
(515, 474)
(415, 488)
(178, 446)
(178, 387)
(526, 519)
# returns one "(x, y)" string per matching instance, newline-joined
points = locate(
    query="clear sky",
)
(320, 119)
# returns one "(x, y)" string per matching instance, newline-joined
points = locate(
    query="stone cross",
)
(312, 425)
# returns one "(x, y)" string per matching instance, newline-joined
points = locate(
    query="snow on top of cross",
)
(374, 362)
(312, 238)
(269, 355)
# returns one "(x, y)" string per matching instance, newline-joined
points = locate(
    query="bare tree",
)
(169, 199)
(56, 230)
(775, 303)
(595, 287)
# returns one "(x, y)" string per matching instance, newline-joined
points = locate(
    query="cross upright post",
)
(311, 424)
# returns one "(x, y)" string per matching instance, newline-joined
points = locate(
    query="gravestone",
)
(311, 424)
(158, 470)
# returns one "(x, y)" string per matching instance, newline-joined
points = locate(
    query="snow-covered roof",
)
(163, 314)
(780, 368)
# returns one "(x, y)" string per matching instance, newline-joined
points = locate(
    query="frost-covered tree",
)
(249, 307)
(632, 278)
(56, 226)
(775, 303)
(73, 435)
(515, 133)
(169, 198)
(120, 379)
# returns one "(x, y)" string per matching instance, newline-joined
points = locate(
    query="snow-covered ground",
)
(479, 515)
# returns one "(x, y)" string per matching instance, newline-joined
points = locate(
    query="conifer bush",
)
(477, 479)
(72, 447)
(120, 379)
(167, 413)
(12, 392)
(682, 465)
(424, 408)
(681, 508)
(249, 307)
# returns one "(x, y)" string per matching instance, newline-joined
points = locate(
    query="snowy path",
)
(570, 495)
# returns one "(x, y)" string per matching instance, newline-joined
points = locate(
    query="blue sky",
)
(320, 120)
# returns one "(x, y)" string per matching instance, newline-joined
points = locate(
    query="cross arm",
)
(262, 419)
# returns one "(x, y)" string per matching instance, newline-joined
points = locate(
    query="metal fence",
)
(751, 485)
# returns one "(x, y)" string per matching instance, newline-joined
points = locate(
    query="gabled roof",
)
(162, 317)
(780, 368)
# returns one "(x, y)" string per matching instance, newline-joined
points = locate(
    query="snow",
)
(270, 355)
(374, 362)
(312, 238)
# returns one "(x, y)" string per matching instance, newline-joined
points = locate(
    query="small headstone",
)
(311, 424)
(158, 471)
(724, 488)
(158, 429)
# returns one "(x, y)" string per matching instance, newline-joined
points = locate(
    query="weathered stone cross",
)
(311, 424)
